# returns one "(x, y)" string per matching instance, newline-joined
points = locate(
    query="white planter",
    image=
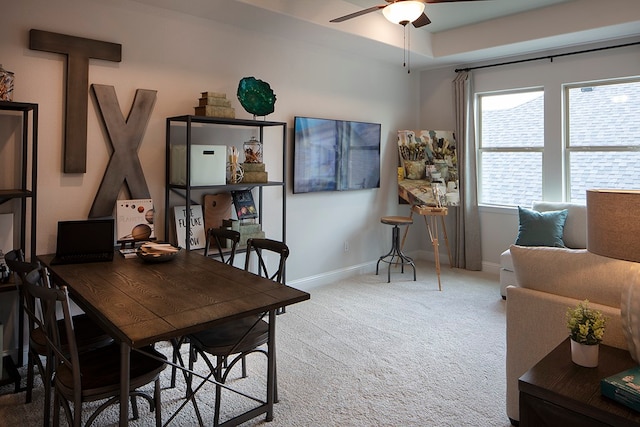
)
(584, 355)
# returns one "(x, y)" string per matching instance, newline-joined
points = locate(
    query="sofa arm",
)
(573, 273)
(536, 324)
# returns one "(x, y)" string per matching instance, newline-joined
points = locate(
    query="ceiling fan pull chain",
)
(404, 46)
(408, 49)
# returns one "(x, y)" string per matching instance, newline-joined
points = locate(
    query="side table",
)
(557, 392)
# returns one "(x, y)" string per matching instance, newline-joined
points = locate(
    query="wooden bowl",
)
(157, 252)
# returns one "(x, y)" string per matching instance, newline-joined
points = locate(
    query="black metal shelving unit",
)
(26, 194)
(185, 190)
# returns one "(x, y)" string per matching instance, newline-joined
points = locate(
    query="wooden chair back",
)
(261, 247)
(216, 238)
(50, 300)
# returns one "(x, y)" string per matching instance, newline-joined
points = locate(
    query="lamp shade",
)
(613, 223)
(403, 11)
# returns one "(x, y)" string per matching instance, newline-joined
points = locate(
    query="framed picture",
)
(134, 220)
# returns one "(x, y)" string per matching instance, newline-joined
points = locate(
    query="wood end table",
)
(557, 392)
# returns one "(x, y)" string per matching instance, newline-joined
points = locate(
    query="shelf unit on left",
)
(22, 191)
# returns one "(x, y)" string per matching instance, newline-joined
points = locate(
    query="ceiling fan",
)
(401, 11)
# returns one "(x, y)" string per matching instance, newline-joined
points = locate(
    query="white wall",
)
(499, 226)
(181, 56)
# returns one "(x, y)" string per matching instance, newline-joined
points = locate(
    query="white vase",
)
(630, 314)
(584, 355)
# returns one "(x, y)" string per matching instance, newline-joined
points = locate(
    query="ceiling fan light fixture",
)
(403, 12)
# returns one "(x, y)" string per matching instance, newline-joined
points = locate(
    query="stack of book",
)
(213, 104)
(254, 172)
(247, 230)
(623, 387)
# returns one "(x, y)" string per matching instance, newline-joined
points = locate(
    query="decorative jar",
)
(253, 151)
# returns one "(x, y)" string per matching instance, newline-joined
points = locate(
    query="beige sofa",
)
(550, 280)
(574, 236)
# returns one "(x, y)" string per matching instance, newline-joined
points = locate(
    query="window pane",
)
(511, 178)
(604, 115)
(609, 169)
(512, 120)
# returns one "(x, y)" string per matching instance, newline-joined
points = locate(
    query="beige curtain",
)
(468, 254)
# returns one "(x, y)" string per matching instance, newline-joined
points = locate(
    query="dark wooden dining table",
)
(140, 303)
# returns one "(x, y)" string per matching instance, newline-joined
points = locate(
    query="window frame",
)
(566, 131)
(480, 149)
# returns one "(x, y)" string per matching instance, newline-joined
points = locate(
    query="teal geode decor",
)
(256, 96)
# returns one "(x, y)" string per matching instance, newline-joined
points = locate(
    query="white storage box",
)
(208, 165)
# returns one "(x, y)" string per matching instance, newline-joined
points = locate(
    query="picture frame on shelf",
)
(135, 220)
(197, 237)
(244, 205)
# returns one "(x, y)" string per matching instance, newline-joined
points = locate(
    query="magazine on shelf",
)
(244, 204)
(197, 237)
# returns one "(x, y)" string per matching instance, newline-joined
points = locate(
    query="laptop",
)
(84, 241)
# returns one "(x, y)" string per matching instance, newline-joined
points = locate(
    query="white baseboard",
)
(308, 283)
(491, 267)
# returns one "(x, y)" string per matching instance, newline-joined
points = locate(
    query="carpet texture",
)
(363, 352)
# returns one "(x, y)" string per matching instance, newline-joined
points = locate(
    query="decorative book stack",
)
(623, 387)
(213, 104)
(247, 231)
(254, 172)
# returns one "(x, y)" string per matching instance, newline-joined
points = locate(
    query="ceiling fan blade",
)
(360, 13)
(422, 21)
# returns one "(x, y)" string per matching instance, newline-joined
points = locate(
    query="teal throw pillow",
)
(541, 228)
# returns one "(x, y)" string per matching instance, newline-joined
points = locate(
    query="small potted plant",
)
(586, 329)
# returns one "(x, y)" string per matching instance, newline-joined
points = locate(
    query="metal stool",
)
(395, 255)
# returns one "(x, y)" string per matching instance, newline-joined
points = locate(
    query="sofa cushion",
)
(573, 273)
(575, 227)
(541, 228)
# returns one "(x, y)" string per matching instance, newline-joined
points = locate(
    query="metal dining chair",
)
(217, 238)
(216, 241)
(244, 336)
(88, 334)
(91, 375)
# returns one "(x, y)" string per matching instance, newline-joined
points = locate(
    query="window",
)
(603, 137)
(510, 147)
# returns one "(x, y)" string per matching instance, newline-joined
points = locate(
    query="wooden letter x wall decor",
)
(125, 136)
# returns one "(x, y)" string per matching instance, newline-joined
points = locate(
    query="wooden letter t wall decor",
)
(126, 136)
(78, 50)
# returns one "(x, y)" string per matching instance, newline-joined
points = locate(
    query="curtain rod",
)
(549, 57)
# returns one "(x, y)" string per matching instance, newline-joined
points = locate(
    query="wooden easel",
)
(432, 213)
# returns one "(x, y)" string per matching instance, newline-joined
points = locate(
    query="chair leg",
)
(176, 347)
(218, 377)
(56, 410)
(30, 373)
(244, 367)
(158, 403)
(134, 407)
(47, 378)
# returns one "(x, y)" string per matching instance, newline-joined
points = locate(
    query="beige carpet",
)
(363, 352)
